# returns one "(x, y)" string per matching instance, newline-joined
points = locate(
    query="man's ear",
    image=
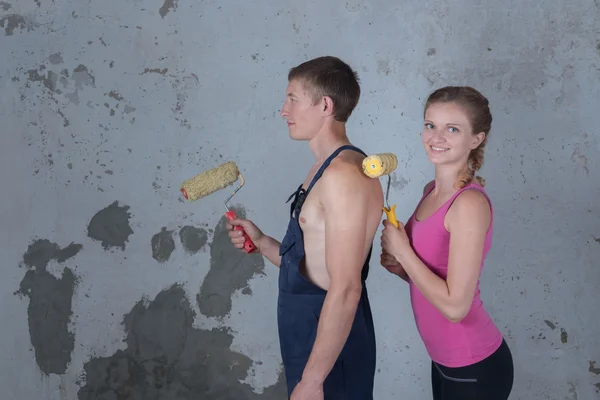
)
(327, 105)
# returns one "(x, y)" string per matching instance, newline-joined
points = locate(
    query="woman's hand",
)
(394, 241)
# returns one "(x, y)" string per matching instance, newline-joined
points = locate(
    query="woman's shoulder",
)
(471, 204)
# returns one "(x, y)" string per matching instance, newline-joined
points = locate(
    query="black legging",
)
(489, 379)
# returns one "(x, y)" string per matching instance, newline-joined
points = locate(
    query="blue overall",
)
(299, 308)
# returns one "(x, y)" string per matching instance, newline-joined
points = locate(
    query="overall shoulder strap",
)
(300, 194)
(328, 161)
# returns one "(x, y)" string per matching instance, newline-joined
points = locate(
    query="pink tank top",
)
(450, 344)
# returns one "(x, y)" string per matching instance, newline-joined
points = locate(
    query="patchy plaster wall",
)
(115, 288)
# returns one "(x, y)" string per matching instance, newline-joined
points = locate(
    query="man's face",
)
(304, 118)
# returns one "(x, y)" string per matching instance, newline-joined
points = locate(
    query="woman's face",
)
(447, 134)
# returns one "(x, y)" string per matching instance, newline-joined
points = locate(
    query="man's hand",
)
(237, 237)
(265, 245)
(392, 265)
(307, 390)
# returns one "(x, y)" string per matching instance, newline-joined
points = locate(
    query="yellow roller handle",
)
(390, 212)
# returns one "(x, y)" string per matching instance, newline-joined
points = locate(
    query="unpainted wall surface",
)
(115, 288)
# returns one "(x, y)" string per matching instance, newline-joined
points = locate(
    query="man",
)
(326, 329)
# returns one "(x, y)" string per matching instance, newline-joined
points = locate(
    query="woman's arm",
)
(468, 221)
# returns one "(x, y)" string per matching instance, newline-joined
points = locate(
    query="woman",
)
(441, 251)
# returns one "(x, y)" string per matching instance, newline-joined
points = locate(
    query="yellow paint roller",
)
(213, 180)
(377, 165)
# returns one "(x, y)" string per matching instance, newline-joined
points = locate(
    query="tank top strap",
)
(469, 186)
(425, 194)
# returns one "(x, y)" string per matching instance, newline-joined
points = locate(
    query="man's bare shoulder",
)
(345, 176)
(347, 170)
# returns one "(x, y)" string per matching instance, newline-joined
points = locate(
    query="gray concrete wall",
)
(114, 288)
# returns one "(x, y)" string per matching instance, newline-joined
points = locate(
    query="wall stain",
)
(573, 391)
(155, 71)
(578, 156)
(593, 369)
(230, 270)
(82, 76)
(5, 6)
(127, 108)
(383, 67)
(181, 87)
(115, 95)
(167, 358)
(11, 22)
(193, 239)
(50, 304)
(565, 78)
(55, 59)
(167, 6)
(65, 120)
(355, 7)
(550, 324)
(110, 226)
(398, 182)
(50, 79)
(162, 244)
(563, 335)
(540, 337)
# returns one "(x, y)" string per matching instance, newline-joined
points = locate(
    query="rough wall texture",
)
(115, 288)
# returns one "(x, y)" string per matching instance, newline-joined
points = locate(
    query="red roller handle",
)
(249, 246)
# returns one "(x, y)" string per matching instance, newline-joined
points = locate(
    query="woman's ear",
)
(477, 140)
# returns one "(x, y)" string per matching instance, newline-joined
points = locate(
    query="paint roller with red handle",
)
(213, 180)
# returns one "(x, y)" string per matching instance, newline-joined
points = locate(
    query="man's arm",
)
(344, 197)
(269, 248)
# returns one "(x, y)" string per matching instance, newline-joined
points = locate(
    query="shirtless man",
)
(326, 329)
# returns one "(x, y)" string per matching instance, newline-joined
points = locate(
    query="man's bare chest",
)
(311, 218)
